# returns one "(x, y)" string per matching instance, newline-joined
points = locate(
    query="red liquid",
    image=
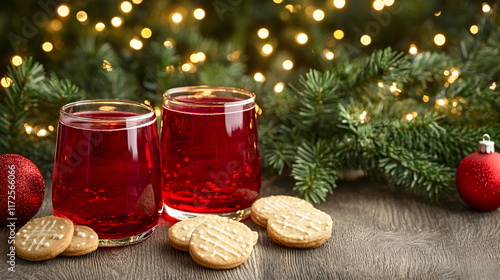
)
(107, 176)
(211, 161)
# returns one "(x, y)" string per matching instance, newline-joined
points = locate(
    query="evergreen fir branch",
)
(314, 171)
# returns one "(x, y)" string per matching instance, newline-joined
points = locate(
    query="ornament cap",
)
(486, 146)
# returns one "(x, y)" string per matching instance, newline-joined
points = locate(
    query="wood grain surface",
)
(378, 233)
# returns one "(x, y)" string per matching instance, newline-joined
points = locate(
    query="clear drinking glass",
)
(107, 169)
(210, 152)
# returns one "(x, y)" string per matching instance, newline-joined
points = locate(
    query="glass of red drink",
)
(107, 169)
(210, 152)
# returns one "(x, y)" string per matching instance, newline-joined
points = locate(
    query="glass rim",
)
(190, 89)
(140, 117)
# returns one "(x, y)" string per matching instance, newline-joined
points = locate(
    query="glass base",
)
(127, 240)
(182, 215)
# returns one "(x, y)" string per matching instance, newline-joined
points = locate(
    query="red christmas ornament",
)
(21, 190)
(478, 177)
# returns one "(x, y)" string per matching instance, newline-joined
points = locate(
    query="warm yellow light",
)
(454, 104)
(338, 34)
(56, 24)
(318, 15)
(63, 10)
(441, 102)
(413, 49)
(378, 5)
(16, 60)
(388, 3)
(438, 13)
(81, 16)
(126, 7)
(28, 129)
(116, 21)
(301, 38)
(278, 1)
(263, 33)
(136, 44)
(186, 67)
(425, 98)
(267, 49)
(365, 40)
(6, 82)
(380, 84)
(199, 14)
(290, 8)
(279, 87)
(258, 77)
(157, 112)
(169, 44)
(446, 72)
(339, 4)
(493, 86)
(51, 128)
(197, 57)
(287, 64)
(474, 29)
(47, 46)
(176, 17)
(455, 73)
(146, 33)
(137, 2)
(409, 117)
(328, 54)
(170, 69)
(486, 8)
(362, 117)
(41, 133)
(100, 26)
(439, 39)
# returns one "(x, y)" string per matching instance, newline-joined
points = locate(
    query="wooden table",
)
(379, 233)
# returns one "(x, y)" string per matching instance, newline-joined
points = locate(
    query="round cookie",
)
(84, 241)
(300, 228)
(43, 238)
(264, 208)
(255, 236)
(180, 233)
(221, 244)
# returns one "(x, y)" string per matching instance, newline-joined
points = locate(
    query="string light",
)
(394, 89)
(290, 8)
(328, 54)
(439, 39)
(338, 34)
(157, 111)
(100, 26)
(170, 69)
(47, 46)
(425, 98)
(287, 64)
(41, 133)
(388, 3)
(116, 21)
(279, 87)
(446, 72)
(258, 77)
(278, 1)
(6, 82)
(16, 60)
(63, 10)
(474, 29)
(454, 75)
(486, 8)
(146, 33)
(197, 57)
(441, 102)
(126, 7)
(454, 104)
(176, 17)
(413, 49)
(318, 15)
(301, 38)
(437, 14)
(365, 40)
(81, 16)
(380, 84)
(263, 33)
(409, 117)
(362, 117)
(28, 129)
(493, 86)
(267, 49)
(55, 24)
(168, 44)
(50, 128)
(339, 4)
(137, 2)
(378, 5)
(186, 67)
(136, 44)
(199, 14)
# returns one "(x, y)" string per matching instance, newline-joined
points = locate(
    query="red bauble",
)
(21, 190)
(478, 178)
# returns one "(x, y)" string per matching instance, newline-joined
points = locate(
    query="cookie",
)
(300, 228)
(180, 233)
(265, 207)
(255, 237)
(43, 238)
(84, 241)
(219, 244)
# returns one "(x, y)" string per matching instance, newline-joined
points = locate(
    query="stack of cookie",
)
(292, 222)
(47, 237)
(213, 241)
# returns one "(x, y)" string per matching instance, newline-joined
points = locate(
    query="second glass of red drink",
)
(210, 152)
